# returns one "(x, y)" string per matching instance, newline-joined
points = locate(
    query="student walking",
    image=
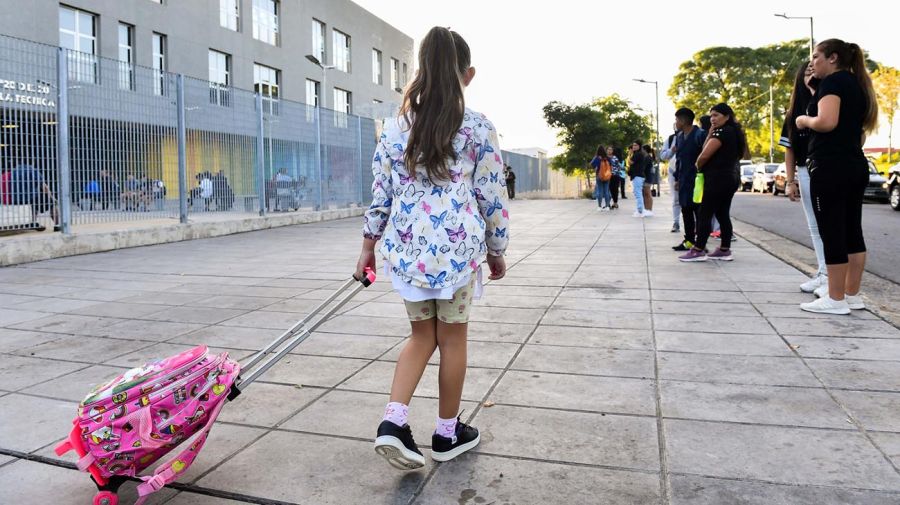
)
(843, 110)
(440, 208)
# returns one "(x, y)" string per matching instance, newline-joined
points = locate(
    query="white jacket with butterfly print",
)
(438, 232)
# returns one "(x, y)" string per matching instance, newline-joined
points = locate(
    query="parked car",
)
(876, 189)
(746, 176)
(779, 186)
(893, 186)
(763, 177)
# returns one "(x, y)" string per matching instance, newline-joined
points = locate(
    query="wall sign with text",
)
(26, 93)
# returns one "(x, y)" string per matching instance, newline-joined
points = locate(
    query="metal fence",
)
(100, 140)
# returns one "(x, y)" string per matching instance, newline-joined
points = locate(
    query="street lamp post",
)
(811, 39)
(656, 86)
(320, 204)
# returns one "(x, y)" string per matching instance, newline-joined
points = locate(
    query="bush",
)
(588, 193)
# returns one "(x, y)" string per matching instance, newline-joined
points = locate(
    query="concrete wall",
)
(192, 29)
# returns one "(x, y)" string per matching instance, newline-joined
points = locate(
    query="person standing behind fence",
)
(669, 154)
(843, 111)
(723, 149)
(27, 186)
(440, 205)
(602, 175)
(796, 144)
(510, 182)
(639, 169)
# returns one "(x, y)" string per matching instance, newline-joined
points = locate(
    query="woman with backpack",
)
(603, 174)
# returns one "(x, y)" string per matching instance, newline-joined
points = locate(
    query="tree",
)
(609, 121)
(887, 89)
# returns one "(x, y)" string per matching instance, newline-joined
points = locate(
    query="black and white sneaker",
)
(396, 445)
(445, 449)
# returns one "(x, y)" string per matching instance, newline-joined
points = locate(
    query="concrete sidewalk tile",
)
(224, 441)
(597, 319)
(322, 470)
(84, 349)
(593, 337)
(377, 378)
(31, 482)
(188, 498)
(264, 319)
(752, 404)
(369, 409)
(70, 324)
(594, 439)
(575, 392)
(605, 292)
(889, 443)
(792, 310)
(380, 309)
(29, 423)
(505, 315)
(590, 361)
(8, 300)
(15, 340)
(678, 295)
(722, 343)
(860, 375)
(347, 346)
(199, 315)
(691, 490)
(163, 298)
(790, 299)
(800, 456)
(15, 318)
(776, 286)
(876, 411)
(528, 283)
(313, 370)
(234, 302)
(605, 305)
(75, 386)
(835, 326)
(499, 332)
(877, 349)
(480, 479)
(300, 307)
(17, 372)
(479, 354)
(53, 305)
(515, 301)
(379, 326)
(713, 323)
(265, 405)
(750, 370)
(119, 310)
(155, 331)
(703, 308)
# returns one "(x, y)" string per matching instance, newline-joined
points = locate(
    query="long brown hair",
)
(433, 104)
(800, 98)
(850, 57)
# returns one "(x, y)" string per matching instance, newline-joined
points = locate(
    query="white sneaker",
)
(814, 283)
(855, 302)
(827, 306)
(821, 291)
(638, 214)
(648, 213)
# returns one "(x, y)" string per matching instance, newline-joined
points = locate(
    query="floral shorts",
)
(454, 311)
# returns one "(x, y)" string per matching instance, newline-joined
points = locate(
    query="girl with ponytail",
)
(439, 203)
(842, 112)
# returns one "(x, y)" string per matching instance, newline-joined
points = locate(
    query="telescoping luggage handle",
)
(299, 332)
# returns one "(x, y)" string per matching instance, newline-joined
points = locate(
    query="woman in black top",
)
(843, 110)
(796, 144)
(724, 148)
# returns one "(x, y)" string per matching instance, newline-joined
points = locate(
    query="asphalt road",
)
(881, 226)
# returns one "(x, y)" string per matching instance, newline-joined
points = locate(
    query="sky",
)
(528, 53)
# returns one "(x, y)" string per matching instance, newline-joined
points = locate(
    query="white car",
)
(763, 177)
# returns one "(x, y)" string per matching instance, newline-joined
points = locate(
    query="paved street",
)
(881, 225)
(615, 374)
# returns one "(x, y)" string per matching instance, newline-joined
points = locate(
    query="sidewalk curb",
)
(880, 294)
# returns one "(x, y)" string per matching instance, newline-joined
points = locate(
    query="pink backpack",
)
(125, 426)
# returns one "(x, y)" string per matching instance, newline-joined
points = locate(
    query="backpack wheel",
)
(106, 498)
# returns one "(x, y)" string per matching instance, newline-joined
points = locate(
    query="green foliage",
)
(609, 121)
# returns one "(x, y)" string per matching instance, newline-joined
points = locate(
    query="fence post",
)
(62, 143)
(260, 157)
(182, 150)
(361, 158)
(320, 202)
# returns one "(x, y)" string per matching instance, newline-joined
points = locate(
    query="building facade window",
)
(341, 51)
(405, 77)
(219, 78)
(266, 82)
(265, 21)
(312, 92)
(159, 64)
(395, 73)
(342, 107)
(377, 77)
(126, 56)
(318, 40)
(78, 33)
(230, 14)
